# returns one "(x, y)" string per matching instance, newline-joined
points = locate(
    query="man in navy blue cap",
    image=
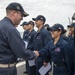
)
(32, 32)
(40, 17)
(11, 44)
(26, 32)
(25, 39)
(17, 7)
(41, 38)
(16, 11)
(24, 25)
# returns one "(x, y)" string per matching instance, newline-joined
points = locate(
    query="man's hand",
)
(45, 64)
(37, 53)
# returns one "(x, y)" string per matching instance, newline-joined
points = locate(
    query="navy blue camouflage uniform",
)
(61, 55)
(11, 47)
(40, 41)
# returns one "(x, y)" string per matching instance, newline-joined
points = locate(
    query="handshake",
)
(37, 53)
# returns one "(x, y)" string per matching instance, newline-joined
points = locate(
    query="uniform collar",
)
(59, 41)
(52, 44)
(31, 31)
(7, 19)
(72, 38)
(57, 44)
(41, 29)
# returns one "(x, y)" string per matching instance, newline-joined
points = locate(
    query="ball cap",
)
(71, 26)
(39, 17)
(31, 23)
(56, 27)
(46, 25)
(17, 7)
(24, 23)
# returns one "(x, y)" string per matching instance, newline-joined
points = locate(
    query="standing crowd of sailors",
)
(46, 45)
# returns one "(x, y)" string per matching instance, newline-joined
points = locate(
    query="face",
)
(17, 17)
(55, 34)
(38, 23)
(25, 27)
(30, 27)
(72, 30)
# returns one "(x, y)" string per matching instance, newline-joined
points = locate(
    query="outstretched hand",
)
(37, 53)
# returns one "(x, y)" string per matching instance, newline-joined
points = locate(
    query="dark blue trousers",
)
(60, 71)
(31, 69)
(8, 71)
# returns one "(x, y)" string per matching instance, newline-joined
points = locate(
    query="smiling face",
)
(55, 34)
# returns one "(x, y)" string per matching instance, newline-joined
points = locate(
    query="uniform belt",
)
(60, 64)
(7, 65)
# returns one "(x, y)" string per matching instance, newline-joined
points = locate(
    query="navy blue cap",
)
(46, 25)
(72, 25)
(24, 23)
(39, 17)
(31, 23)
(56, 27)
(16, 6)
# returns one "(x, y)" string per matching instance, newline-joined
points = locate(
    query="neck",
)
(39, 28)
(56, 40)
(31, 29)
(10, 18)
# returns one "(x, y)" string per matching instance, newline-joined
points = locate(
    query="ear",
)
(13, 12)
(60, 32)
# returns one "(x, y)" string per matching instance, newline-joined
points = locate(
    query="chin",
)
(52, 36)
(36, 26)
(16, 25)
